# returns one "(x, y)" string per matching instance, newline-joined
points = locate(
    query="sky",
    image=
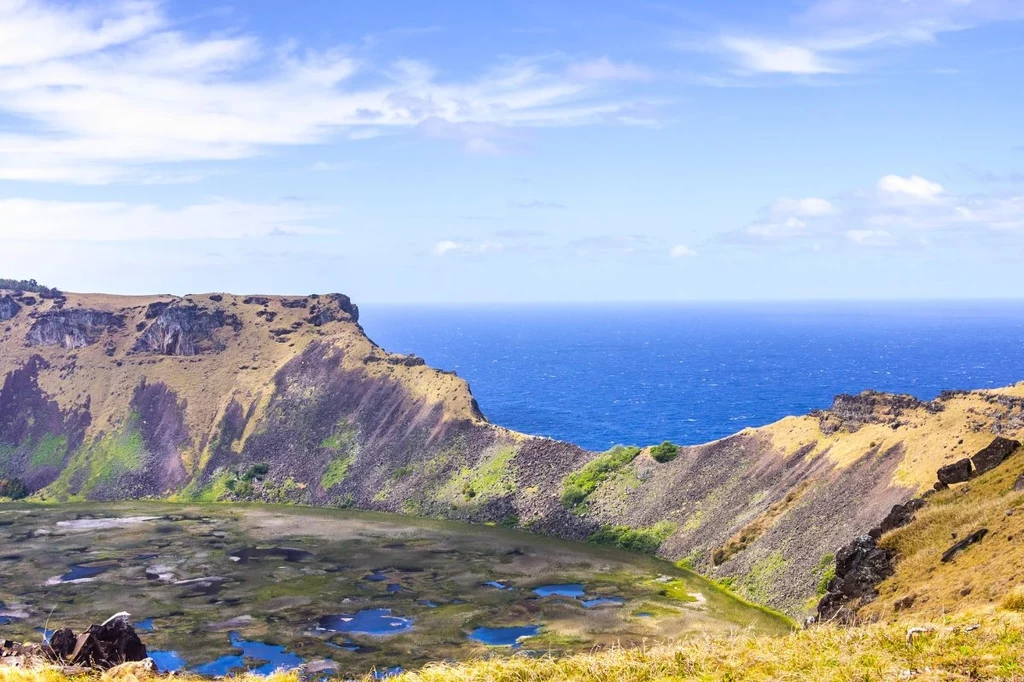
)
(467, 152)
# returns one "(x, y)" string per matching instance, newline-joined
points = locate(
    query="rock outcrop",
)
(72, 328)
(8, 308)
(184, 330)
(99, 647)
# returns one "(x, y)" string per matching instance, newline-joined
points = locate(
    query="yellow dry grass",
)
(931, 439)
(980, 577)
(982, 648)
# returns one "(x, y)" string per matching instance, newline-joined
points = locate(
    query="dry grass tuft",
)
(1014, 600)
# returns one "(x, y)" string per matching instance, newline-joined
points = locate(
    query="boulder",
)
(960, 546)
(8, 308)
(860, 567)
(957, 472)
(899, 516)
(994, 454)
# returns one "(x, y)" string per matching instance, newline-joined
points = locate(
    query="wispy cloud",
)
(833, 37)
(35, 220)
(100, 94)
(682, 251)
(898, 210)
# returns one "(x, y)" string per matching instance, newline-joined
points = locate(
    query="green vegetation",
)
(13, 489)
(646, 540)
(344, 442)
(826, 568)
(28, 285)
(489, 479)
(257, 472)
(49, 451)
(759, 584)
(101, 463)
(666, 452)
(402, 472)
(336, 471)
(580, 484)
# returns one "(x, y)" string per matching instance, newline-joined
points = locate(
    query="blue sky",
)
(526, 151)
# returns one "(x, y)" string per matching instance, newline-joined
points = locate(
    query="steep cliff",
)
(222, 397)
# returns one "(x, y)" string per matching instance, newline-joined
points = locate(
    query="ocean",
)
(600, 375)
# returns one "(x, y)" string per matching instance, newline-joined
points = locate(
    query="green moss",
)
(665, 452)
(489, 479)
(101, 463)
(336, 472)
(646, 540)
(344, 443)
(49, 451)
(826, 568)
(676, 590)
(578, 485)
(759, 584)
(217, 489)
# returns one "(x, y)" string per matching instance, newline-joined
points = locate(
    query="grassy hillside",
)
(219, 397)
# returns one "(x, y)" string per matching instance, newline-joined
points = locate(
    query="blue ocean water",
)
(599, 375)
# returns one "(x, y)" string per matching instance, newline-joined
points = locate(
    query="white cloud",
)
(682, 251)
(94, 96)
(34, 220)
(838, 36)
(914, 187)
(870, 237)
(808, 208)
(447, 247)
(775, 230)
(901, 211)
(605, 69)
(766, 56)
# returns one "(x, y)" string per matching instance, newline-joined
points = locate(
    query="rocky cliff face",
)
(225, 397)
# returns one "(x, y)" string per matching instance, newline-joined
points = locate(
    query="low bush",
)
(646, 540)
(579, 484)
(666, 452)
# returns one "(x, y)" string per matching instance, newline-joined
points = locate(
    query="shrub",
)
(666, 452)
(646, 540)
(13, 488)
(257, 472)
(579, 484)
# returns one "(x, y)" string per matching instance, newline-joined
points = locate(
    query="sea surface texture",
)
(600, 375)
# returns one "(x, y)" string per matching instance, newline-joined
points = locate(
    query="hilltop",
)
(221, 397)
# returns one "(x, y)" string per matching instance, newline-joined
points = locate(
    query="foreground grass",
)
(988, 647)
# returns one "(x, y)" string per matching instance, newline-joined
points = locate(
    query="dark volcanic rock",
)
(294, 302)
(8, 308)
(256, 300)
(101, 646)
(332, 308)
(860, 567)
(994, 454)
(957, 472)
(72, 328)
(154, 310)
(899, 516)
(960, 546)
(851, 412)
(185, 330)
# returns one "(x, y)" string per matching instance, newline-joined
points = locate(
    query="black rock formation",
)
(994, 454)
(957, 472)
(74, 328)
(860, 567)
(185, 330)
(960, 546)
(8, 308)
